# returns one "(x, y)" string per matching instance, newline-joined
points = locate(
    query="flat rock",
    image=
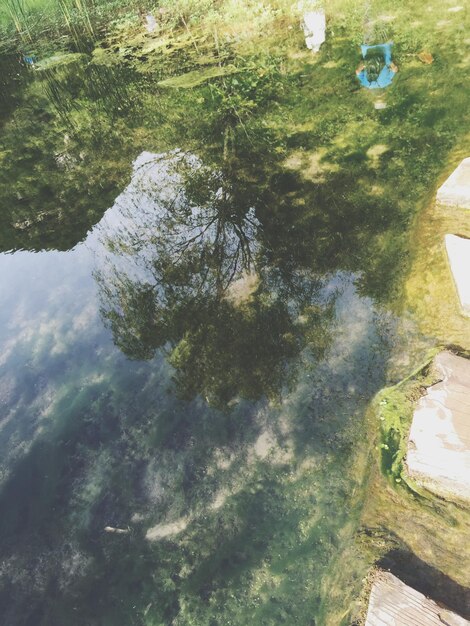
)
(456, 190)
(161, 531)
(392, 603)
(458, 252)
(438, 455)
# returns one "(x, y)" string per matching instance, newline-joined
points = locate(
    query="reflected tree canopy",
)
(185, 269)
(12, 75)
(64, 150)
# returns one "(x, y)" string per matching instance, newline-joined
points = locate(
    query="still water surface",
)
(195, 371)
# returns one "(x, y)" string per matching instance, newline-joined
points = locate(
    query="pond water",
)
(196, 313)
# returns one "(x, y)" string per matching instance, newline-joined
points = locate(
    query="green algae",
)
(59, 60)
(197, 77)
(395, 407)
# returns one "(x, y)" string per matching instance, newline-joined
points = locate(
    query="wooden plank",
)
(392, 603)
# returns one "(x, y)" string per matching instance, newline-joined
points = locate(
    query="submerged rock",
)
(426, 57)
(117, 531)
(379, 105)
(161, 531)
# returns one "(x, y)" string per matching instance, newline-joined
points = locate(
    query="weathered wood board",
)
(392, 603)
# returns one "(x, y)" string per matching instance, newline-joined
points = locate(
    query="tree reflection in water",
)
(184, 271)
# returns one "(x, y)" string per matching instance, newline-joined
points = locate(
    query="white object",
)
(438, 455)
(314, 25)
(456, 190)
(458, 252)
(151, 23)
(392, 603)
(116, 531)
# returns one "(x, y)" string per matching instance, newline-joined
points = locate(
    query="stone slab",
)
(456, 189)
(392, 603)
(438, 455)
(458, 253)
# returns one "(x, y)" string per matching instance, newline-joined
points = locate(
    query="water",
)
(197, 308)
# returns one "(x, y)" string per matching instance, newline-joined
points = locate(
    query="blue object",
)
(29, 60)
(386, 74)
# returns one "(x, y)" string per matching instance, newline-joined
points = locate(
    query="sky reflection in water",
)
(56, 352)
